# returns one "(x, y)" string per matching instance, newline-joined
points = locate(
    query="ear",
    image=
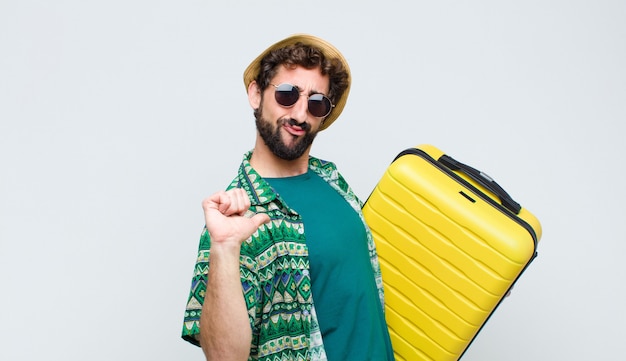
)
(254, 95)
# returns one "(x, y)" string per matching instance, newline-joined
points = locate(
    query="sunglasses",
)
(287, 95)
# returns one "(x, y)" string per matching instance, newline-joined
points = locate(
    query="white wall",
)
(118, 117)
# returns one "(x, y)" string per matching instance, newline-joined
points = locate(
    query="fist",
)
(226, 217)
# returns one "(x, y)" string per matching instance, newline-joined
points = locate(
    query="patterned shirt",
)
(274, 270)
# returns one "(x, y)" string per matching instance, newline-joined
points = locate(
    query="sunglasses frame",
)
(293, 87)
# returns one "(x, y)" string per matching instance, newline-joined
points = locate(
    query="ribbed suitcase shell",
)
(449, 253)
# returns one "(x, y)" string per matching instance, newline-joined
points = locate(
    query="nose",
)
(300, 110)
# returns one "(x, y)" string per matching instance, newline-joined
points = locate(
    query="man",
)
(293, 269)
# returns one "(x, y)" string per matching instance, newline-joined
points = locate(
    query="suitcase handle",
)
(484, 180)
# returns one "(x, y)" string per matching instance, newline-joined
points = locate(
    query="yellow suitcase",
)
(451, 243)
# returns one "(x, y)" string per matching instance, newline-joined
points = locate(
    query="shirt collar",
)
(259, 190)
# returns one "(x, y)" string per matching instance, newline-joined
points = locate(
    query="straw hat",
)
(329, 51)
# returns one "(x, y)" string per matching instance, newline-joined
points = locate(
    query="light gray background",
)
(118, 117)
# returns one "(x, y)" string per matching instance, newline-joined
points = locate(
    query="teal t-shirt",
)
(348, 308)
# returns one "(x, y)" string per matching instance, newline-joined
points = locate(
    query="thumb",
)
(260, 218)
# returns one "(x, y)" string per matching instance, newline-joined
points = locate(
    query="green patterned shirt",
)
(274, 269)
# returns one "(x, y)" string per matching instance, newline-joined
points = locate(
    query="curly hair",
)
(309, 58)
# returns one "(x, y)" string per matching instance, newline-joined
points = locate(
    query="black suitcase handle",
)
(484, 180)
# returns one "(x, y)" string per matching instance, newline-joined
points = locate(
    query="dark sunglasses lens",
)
(286, 95)
(319, 105)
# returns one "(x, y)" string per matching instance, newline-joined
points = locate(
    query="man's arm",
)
(225, 332)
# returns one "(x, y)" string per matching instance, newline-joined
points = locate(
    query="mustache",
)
(304, 125)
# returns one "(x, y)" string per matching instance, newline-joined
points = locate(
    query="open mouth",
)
(294, 128)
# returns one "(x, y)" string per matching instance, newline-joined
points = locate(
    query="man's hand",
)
(226, 218)
(225, 332)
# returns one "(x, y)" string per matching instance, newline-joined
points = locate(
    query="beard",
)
(272, 137)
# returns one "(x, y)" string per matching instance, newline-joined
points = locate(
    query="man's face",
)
(289, 131)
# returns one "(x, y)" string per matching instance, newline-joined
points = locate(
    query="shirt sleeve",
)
(193, 310)
(249, 283)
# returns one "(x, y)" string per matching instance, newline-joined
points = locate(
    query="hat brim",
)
(329, 51)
